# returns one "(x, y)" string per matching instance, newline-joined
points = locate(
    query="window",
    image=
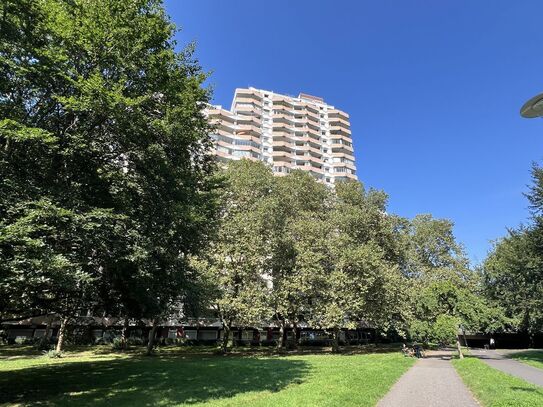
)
(239, 153)
(208, 335)
(191, 334)
(247, 335)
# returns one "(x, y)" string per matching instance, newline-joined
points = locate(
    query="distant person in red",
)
(180, 332)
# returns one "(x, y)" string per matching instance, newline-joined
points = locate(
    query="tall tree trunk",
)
(226, 334)
(281, 341)
(296, 333)
(335, 340)
(48, 323)
(459, 348)
(124, 333)
(152, 335)
(464, 336)
(61, 333)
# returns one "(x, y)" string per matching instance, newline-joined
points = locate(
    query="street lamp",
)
(533, 107)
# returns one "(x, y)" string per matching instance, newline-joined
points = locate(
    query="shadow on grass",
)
(148, 381)
(526, 389)
(18, 352)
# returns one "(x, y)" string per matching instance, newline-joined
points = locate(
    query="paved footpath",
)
(498, 361)
(431, 382)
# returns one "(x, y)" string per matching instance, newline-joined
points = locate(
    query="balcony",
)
(337, 130)
(248, 101)
(335, 113)
(249, 119)
(247, 109)
(249, 129)
(337, 121)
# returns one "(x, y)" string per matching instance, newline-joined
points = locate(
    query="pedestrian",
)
(492, 343)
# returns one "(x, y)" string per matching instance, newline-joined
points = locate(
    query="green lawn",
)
(531, 357)
(497, 389)
(87, 378)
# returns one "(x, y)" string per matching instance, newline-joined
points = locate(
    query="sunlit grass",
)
(494, 388)
(532, 357)
(172, 378)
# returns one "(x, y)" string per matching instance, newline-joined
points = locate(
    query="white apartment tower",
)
(286, 132)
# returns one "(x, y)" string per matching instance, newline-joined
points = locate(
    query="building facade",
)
(286, 132)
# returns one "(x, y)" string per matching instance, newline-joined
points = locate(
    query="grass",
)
(185, 378)
(531, 357)
(497, 389)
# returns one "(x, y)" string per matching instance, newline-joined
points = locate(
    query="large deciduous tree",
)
(299, 209)
(514, 269)
(100, 124)
(361, 280)
(236, 262)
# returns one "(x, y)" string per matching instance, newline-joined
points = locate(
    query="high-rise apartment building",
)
(287, 132)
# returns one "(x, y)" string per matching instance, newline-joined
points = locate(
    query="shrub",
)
(53, 354)
(44, 343)
(25, 341)
(136, 341)
(117, 344)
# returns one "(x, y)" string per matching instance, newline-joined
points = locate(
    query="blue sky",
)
(433, 89)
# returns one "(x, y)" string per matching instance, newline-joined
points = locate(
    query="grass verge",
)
(531, 357)
(85, 378)
(497, 389)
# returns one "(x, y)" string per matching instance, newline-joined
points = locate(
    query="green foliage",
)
(53, 354)
(104, 159)
(361, 279)
(445, 329)
(235, 263)
(512, 271)
(446, 295)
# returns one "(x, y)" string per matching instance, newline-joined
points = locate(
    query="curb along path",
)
(431, 382)
(521, 370)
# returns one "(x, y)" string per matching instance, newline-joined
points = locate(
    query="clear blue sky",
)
(433, 89)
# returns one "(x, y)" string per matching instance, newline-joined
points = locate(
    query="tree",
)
(235, 263)
(447, 296)
(513, 279)
(105, 117)
(361, 280)
(512, 271)
(299, 208)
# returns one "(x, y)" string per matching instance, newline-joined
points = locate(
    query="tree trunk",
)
(281, 340)
(459, 348)
(48, 328)
(152, 334)
(335, 340)
(296, 333)
(61, 333)
(465, 340)
(44, 341)
(226, 334)
(124, 333)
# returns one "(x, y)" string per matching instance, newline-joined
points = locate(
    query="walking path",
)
(498, 361)
(431, 382)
